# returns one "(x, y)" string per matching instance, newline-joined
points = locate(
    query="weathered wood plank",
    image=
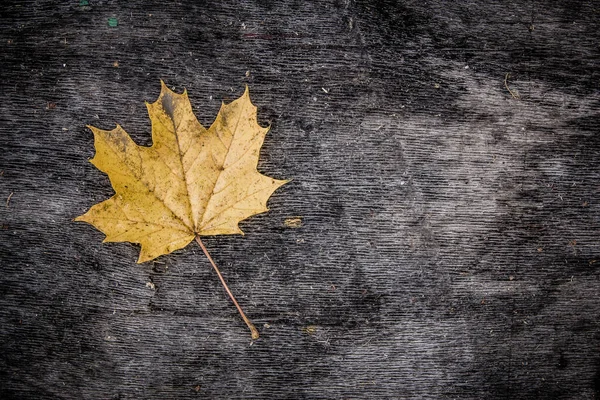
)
(450, 238)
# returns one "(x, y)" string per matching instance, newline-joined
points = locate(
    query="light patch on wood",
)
(293, 222)
(310, 329)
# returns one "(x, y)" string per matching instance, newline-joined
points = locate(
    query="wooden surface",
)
(450, 238)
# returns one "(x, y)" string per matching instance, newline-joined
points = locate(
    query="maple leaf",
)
(191, 182)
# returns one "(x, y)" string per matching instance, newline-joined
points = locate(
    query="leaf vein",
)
(219, 174)
(119, 156)
(233, 206)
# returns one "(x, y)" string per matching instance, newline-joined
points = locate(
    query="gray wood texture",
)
(450, 238)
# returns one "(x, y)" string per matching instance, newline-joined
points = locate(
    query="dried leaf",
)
(191, 182)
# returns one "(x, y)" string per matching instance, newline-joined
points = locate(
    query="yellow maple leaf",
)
(191, 182)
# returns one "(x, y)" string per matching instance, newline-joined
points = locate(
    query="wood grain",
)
(449, 238)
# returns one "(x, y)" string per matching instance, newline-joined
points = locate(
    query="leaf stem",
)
(253, 330)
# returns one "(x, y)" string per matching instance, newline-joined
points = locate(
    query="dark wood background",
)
(450, 238)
